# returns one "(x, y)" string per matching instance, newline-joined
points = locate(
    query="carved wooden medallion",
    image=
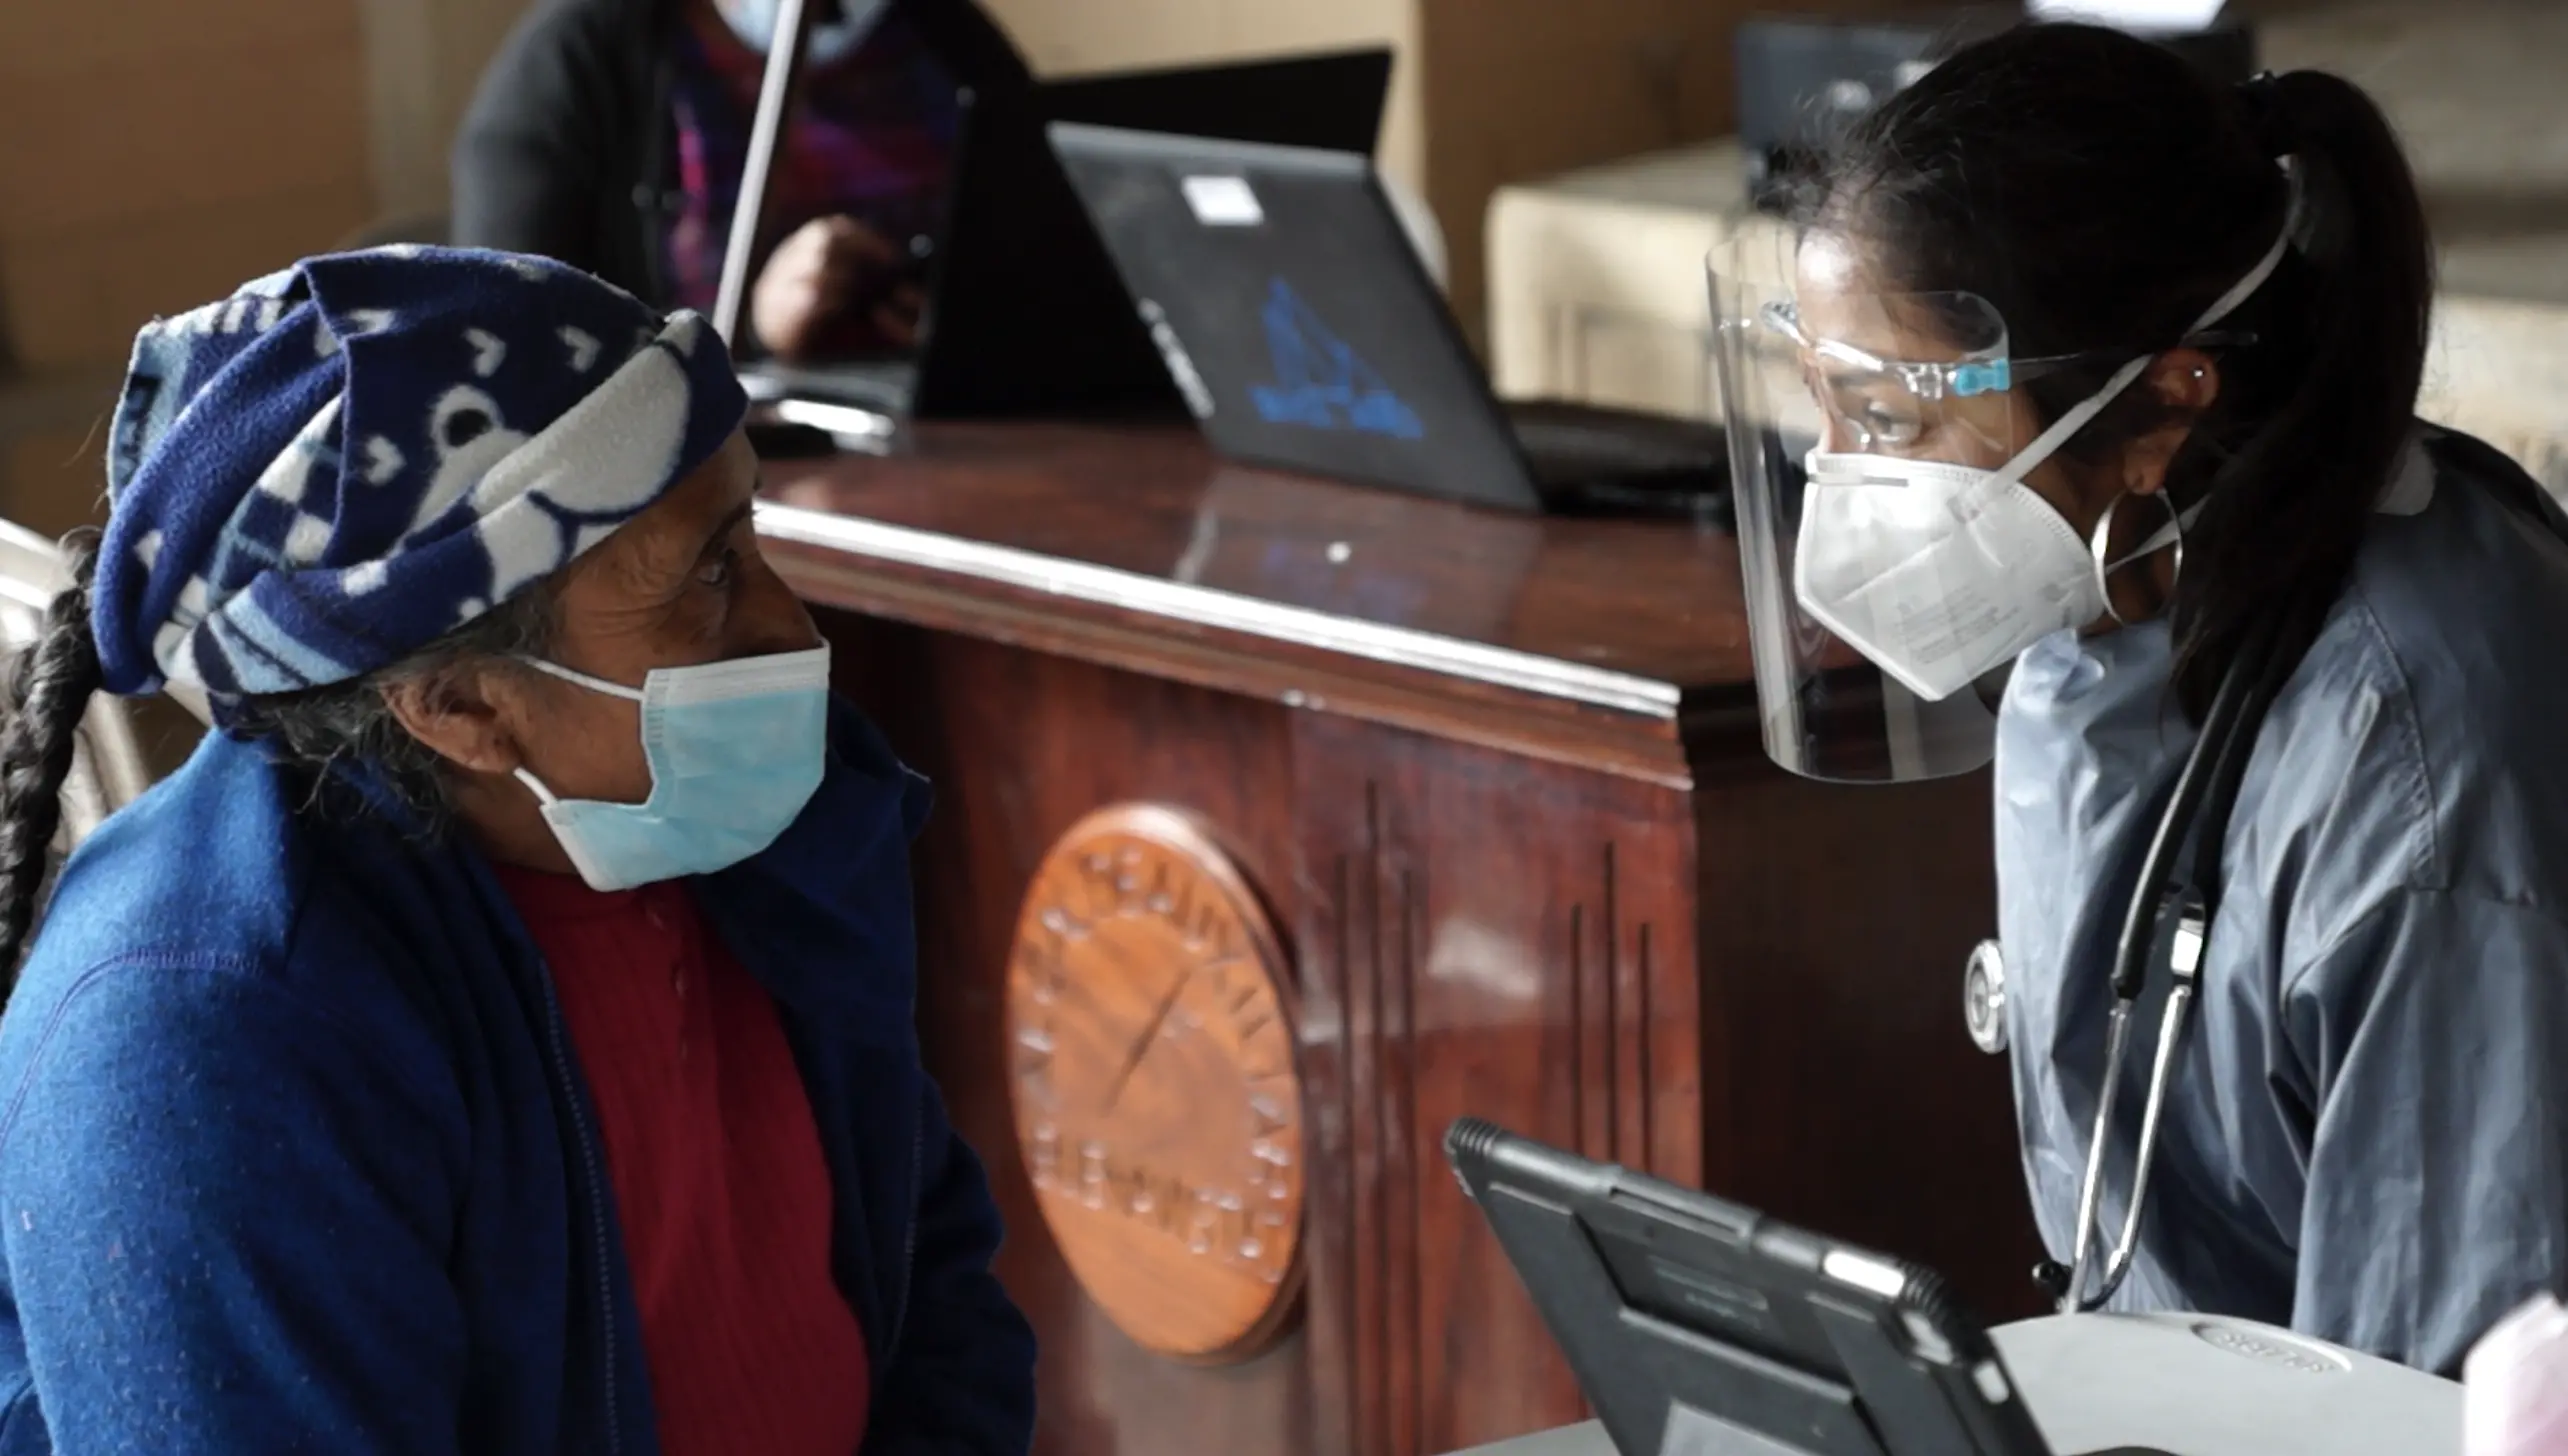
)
(1157, 1104)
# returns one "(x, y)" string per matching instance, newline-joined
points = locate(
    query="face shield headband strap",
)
(2084, 412)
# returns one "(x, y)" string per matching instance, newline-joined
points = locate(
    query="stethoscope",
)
(2169, 921)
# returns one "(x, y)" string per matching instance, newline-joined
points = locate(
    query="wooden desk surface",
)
(1604, 643)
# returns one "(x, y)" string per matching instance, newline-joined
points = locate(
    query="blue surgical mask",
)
(838, 29)
(735, 748)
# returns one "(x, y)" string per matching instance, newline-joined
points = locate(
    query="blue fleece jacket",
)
(295, 1155)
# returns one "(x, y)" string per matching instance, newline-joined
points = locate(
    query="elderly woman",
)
(497, 1039)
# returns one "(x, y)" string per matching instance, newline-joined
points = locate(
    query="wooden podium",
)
(1282, 822)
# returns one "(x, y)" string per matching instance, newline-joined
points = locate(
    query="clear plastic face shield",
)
(1866, 435)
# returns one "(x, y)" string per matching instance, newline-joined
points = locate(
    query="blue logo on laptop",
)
(1320, 382)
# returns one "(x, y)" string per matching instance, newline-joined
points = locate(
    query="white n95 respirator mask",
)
(1940, 573)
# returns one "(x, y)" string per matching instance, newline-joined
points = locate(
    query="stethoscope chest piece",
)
(1984, 997)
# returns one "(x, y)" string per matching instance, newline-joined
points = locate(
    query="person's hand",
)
(816, 273)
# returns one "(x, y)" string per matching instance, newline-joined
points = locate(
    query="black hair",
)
(2101, 192)
(351, 723)
(49, 684)
(49, 687)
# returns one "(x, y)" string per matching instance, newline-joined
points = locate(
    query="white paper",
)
(1223, 201)
(2133, 14)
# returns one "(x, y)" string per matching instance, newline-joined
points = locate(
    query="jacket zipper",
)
(909, 1241)
(566, 1085)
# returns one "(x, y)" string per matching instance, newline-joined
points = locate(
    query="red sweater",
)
(719, 1184)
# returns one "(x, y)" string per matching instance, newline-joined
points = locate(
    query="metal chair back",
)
(108, 768)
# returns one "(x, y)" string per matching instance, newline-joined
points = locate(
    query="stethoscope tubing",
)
(2178, 894)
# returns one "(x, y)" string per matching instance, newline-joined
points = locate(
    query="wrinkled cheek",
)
(591, 751)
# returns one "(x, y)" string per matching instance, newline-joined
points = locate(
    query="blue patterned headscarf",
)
(344, 461)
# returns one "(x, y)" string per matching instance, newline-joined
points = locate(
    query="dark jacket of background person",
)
(569, 151)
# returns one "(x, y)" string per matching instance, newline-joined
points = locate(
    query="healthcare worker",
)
(2083, 364)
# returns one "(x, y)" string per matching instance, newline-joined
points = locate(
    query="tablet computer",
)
(1697, 1327)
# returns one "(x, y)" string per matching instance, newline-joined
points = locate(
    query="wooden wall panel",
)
(1021, 745)
(1836, 920)
(1474, 933)
(1487, 936)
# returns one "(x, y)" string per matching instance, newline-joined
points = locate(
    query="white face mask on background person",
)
(839, 28)
(1940, 572)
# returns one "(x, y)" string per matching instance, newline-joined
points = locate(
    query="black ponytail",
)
(2102, 193)
(49, 687)
(2288, 511)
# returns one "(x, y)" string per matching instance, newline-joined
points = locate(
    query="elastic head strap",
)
(2083, 413)
(581, 679)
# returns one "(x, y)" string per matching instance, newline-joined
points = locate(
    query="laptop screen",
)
(918, 249)
(1292, 310)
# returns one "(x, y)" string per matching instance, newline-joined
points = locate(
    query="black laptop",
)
(1303, 331)
(1700, 1328)
(1023, 313)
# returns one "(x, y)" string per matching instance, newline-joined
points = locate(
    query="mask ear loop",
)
(544, 796)
(2102, 541)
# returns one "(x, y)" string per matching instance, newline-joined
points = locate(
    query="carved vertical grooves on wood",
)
(1379, 905)
(1393, 1343)
(1597, 1003)
(1357, 1387)
(1610, 970)
(1613, 1022)
(1405, 1060)
(1377, 1181)
(1649, 1099)
(1578, 1025)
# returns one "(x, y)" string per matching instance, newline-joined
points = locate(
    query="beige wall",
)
(1516, 89)
(1519, 90)
(422, 60)
(155, 152)
(1067, 37)
(52, 429)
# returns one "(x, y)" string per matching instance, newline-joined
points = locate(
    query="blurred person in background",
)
(612, 135)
